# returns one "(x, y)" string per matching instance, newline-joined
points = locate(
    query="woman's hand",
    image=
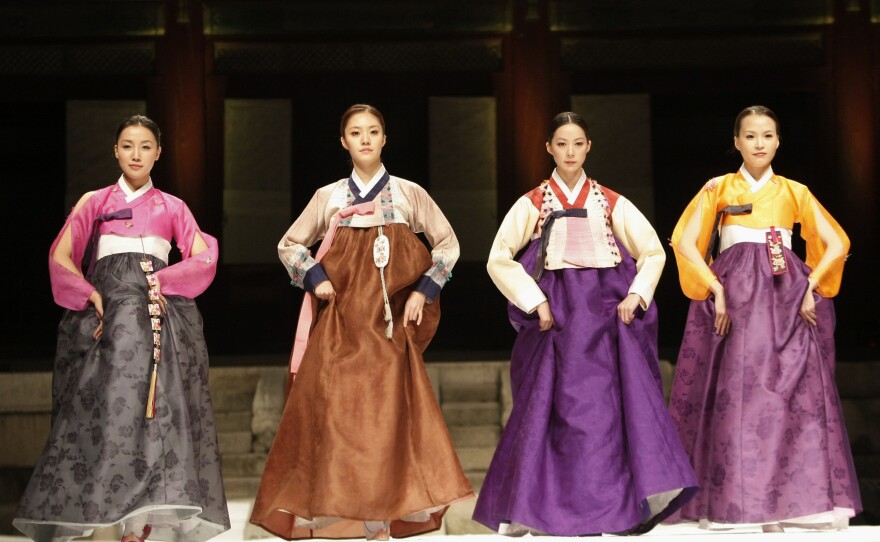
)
(325, 291)
(413, 309)
(163, 303)
(808, 305)
(545, 317)
(626, 310)
(722, 319)
(96, 300)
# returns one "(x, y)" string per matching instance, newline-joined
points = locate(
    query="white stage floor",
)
(240, 510)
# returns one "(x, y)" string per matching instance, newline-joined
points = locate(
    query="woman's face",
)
(137, 151)
(757, 141)
(364, 138)
(569, 148)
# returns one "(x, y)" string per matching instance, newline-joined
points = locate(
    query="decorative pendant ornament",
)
(775, 252)
(381, 255)
(381, 250)
(155, 311)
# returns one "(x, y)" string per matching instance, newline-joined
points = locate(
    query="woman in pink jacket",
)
(133, 442)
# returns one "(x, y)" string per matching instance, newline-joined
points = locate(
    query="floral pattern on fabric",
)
(758, 410)
(104, 461)
(301, 261)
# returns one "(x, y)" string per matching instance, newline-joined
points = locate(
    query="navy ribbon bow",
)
(730, 209)
(91, 253)
(545, 237)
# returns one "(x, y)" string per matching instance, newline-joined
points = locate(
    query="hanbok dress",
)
(362, 437)
(757, 409)
(105, 462)
(589, 446)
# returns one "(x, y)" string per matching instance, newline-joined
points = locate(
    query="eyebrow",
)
(361, 127)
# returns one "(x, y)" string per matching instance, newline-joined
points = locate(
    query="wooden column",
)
(529, 96)
(855, 144)
(178, 105)
(855, 128)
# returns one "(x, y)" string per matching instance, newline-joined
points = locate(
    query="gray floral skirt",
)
(106, 463)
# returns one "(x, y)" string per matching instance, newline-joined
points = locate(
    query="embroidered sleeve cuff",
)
(300, 261)
(440, 272)
(428, 287)
(313, 277)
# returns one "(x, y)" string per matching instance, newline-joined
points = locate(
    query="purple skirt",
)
(589, 437)
(758, 410)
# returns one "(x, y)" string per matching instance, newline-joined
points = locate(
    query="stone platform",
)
(474, 396)
(239, 511)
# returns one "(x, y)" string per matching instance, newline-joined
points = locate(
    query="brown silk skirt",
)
(362, 437)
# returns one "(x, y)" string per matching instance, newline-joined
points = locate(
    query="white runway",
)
(240, 510)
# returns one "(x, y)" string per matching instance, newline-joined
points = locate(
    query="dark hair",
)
(141, 120)
(567, 117)
(360, 108)
(754, 110)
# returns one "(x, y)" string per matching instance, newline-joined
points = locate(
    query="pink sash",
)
(304, 325)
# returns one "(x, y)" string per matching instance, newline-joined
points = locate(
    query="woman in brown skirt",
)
(362, 449)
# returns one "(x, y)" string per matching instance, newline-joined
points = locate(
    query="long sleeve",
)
(309, 228)
(71, 290)
(828, 274)
(694, 279)
(428, 218)
(509, 275)
(194, 273)
(633, 230)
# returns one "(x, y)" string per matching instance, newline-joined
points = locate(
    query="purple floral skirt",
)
(104, 462)
(758, 410)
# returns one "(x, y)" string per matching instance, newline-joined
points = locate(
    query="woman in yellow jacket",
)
(754, 397)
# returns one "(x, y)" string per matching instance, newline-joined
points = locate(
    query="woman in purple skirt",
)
(589, 447)
(754, 396)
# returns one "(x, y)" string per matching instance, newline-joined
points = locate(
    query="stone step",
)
(861, 417)
(471, 413)
(232, 388)
(241, 487)
(475, 436)
(239, 420)
(667, 373)
(469, 383)
(26, 392)
(458, 519)
(255, 532)
(857, 379)
(268, 406)
(506, 397)
(434, 376)
(7, 511)
(236, 442)
(870, 493)
(107, 533)
(13, 481)
(243, 465)
(475, 459)
(867, 466)
(476, 478)
(232, 399)
(22, 438)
